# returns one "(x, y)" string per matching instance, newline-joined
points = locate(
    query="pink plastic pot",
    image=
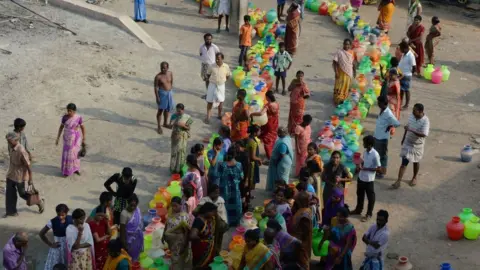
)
(437, 76)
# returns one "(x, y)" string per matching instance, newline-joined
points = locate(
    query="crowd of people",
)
(218, 185)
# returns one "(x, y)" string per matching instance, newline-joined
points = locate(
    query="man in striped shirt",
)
(413, 143)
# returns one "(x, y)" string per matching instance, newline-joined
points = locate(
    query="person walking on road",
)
(207, 52)
(19, 172)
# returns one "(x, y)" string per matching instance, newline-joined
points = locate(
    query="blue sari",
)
(140, 10)
(338, 241)
(280, 162)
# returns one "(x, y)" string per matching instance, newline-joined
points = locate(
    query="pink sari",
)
(72, 141)
(302, 139)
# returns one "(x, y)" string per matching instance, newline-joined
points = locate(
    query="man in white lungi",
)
(218, 74)
(413, 143)
(223, 10)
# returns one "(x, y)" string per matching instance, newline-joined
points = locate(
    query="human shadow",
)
(110, 116)
(188, 28)
(173, 10)
(449, 158)
(48, 170)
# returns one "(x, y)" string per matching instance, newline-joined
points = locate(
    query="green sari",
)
(179, 142)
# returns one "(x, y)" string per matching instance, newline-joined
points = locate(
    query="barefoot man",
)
(413, 143)
(163, 93)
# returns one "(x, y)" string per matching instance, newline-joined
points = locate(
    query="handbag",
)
(34, 196)
(83, 150)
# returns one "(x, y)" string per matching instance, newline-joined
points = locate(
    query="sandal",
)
(10, 215)
(41, 206)
(365, 218)
(395, 185)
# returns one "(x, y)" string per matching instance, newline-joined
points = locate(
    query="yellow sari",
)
(112, 263)
(386, 8)
(257, 257)
(344, 60)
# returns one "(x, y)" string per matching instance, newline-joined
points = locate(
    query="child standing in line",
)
(245, 40)
(282, 61)
(366, 177)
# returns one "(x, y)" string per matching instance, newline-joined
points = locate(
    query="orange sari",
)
(269, 130)
(239, 121)
(299, 91)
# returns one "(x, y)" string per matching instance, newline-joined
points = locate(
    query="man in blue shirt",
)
(385, 121)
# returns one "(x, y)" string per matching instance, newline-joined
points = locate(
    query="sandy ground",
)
(109, 74)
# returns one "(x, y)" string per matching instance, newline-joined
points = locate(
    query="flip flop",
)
(412, 183)
(41, 206)
(365, 218)
(10, 215)
(395, 185)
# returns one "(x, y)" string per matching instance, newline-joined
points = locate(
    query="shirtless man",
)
(163, 83)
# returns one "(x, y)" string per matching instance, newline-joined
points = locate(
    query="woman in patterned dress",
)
(58, 248)
(176, 234)
(202, 236)
(80, 245)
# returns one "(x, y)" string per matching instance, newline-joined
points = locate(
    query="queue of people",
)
(215, 196)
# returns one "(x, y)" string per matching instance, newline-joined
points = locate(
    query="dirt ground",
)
(109, 75)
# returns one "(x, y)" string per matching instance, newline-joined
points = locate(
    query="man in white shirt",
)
(413, 143)
(376, 239)
(385, 121)
(207, 51)
(407, 66)
(366, 177)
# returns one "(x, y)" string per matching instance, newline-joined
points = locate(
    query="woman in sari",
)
(73, 139)
(299, 92)
(202, 160)
(343, 239)
(240, 117)
(80, 246)
(335, 202)
(293, 28)
(386, 8)
(105, 202)
(253, 148)
(335, 174)
(131, 231)
(193, 177)
(101, 234)
(415, 35)
(394, 93)
(431, 42)
(302, 227)
(269, 130)
(202, 236)
(177, 229)
(414, 9)
(303, 132)
(231, 175)
(343, 66)
(221, 220)
(180, 133)
(314, 165)
(256, 255)
(58, 248)
(118, 258)
(289, 246)
(281, 160)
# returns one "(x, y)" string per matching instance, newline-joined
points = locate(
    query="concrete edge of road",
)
(121, 21)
